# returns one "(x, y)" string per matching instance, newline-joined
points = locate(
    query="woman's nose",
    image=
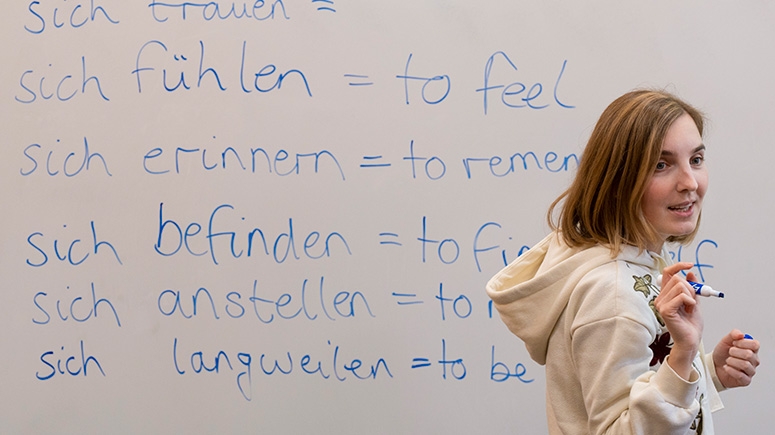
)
(687, 179)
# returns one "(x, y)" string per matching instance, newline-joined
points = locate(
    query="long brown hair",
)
(602, 204)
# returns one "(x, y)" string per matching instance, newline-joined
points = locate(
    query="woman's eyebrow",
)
(694, 151)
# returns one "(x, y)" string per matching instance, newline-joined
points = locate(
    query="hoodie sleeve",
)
(610, 339)
(621, 394)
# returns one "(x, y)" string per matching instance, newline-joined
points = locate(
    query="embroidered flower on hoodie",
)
(645, 284)
(660, 348)
(697, 423)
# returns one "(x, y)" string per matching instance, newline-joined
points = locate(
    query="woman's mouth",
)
(682, 208)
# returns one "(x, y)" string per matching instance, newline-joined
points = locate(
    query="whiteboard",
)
(279, 216)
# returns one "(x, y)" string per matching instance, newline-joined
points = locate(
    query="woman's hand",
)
(736, 359)
(677, 304)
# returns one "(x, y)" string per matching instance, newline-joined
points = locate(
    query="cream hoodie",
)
(591, 320)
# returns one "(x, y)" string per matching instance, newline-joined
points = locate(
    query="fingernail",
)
(748, 337)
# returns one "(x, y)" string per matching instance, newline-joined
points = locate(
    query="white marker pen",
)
(700, 289)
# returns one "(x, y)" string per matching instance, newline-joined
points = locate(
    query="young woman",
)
(622, 354)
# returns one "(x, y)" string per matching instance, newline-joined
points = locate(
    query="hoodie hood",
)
(533, 291)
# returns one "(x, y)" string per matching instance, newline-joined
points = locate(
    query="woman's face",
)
(673, 197)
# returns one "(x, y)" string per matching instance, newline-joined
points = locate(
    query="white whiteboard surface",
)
(333, 183)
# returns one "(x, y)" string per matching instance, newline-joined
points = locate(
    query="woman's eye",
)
(661, 166)
(698, 160)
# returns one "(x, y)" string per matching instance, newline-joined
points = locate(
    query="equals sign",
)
(408, 296)
(325, 8)
(389, 242)
(358, 80)
(418, 363)
(370, 159)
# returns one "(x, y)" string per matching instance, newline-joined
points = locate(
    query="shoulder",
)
(624, 288)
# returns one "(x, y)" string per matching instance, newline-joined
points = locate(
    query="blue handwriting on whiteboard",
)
(435, 168)
(333, 366)
(447, 249)
(460, 306)
(325, 8)
(498, 168)
(69, 171)
(75, 19)
(513, 95)
(173, 237)
(35, 84)
(266, 308)
(67, 254)
(500, 372)
(456, 368)
(173, 72)
(489, 240)
(478, 248)
(679, 256)
(443, 79)
(63, 367)
(282, 163)
(74, 310)
(215, 10)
